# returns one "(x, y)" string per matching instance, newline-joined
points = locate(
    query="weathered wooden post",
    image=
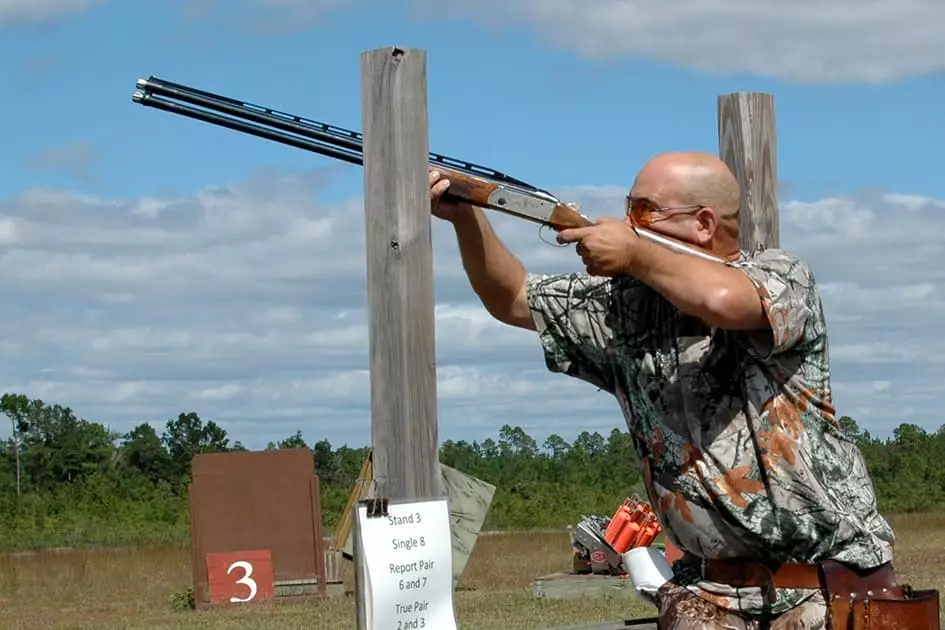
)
(402, 338)
(748, 145)
(399, 273)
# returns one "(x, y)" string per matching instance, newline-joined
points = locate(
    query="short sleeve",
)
(786, 288)
(576, 318)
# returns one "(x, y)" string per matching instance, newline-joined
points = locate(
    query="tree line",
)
(66, 481)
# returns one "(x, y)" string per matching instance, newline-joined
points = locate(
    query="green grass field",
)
(136, 588)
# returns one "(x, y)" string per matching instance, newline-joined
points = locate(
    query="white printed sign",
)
(406, 563)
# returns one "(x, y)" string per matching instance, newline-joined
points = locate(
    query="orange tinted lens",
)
(641, 211)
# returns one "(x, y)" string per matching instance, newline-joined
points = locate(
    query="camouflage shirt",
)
(742, 455)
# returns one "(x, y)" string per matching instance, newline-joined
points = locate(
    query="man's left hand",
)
(607, 247)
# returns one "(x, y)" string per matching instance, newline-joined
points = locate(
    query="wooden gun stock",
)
(564, 217)
(472, 190)
(482, 193)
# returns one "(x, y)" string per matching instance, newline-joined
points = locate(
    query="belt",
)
(741, 574)
(856, 599)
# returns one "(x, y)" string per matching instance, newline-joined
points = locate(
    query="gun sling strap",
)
(856, 599)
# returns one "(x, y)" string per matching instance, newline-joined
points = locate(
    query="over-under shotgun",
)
(479, 185)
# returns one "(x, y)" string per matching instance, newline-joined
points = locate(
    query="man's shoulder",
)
(776, 270)
(773, 259)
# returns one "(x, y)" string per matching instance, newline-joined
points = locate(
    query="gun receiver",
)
(476, 184)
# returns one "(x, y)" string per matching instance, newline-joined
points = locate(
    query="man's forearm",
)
(496, 275)
(715, 293)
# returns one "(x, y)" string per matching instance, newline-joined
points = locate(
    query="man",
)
(721, 370)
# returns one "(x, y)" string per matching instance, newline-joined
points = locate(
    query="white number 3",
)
(248, 581)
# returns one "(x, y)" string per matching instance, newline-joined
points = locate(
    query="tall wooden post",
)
(399, 273)
(748, 145)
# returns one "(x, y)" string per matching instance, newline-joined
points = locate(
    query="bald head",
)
(703, 193)
(697, 178)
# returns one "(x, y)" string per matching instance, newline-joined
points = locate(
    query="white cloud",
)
(35, 11)
(246, 304)
(808, 41)
(802, 40)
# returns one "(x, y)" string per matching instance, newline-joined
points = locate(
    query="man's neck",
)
(727, 249)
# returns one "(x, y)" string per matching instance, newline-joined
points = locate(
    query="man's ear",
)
(707, 222)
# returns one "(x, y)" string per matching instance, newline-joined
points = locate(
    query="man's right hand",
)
(446, 210)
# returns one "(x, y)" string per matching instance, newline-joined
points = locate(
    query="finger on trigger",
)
(570, 235)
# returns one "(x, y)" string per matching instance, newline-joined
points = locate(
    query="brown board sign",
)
(253, 501)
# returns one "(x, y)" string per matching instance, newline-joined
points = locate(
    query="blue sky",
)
(155, 264)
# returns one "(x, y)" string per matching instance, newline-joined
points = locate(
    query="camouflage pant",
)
(681, 609)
